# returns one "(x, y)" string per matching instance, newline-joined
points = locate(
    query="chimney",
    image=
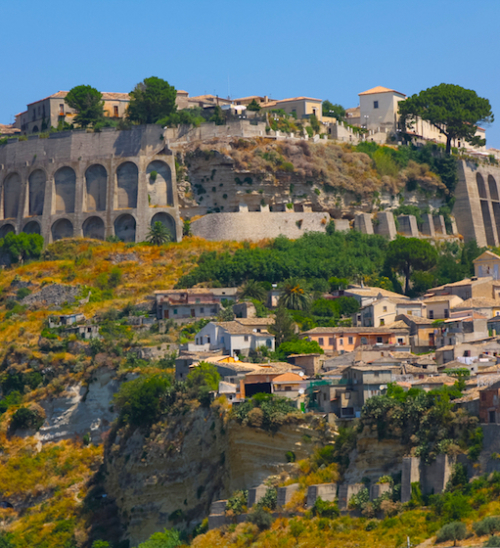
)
(266, 99)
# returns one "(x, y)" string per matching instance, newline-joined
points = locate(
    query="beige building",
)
(438, 308)
(301, 107)
(486, 265)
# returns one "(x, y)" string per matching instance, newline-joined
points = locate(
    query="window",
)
(466, 353)
(324, 396)
(379, 339)
(410, 312)
(321, 342)
(175, 310)
(382, 321)
(375, 104)
(400, 340)
(246, 338)
(288, 388)
(431, 314)
(385, 309)
(363, 340)
(446, 313)
(350, 340)
(377, 374)
(61, 109)
(347, 395)
(341, 342)
(197, 301)
(115, 112)
(208, 339)
(202, 310)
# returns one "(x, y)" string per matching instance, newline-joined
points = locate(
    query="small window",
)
(202, 310)
(385, 309)
(375, 104)
(341, 342)
(363, 340)
(321, 341)
(466, 353)
(377, 374)
(446, 313)
(175, 310)
(350, 340)
(115, 112)
(197, 301)
(400, 340)
(208, 340)
(246, 338)
(324, 396)
(331, 341)
(431, 314)
(347, 395)
(382, 321)
(379, 339)
(288, 388)
(61, 109)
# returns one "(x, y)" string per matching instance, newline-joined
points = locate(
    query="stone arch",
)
(481, 187)
(65, 183)
(127, 180)
(63, 228)
(32, 228)
(5, 229)
(35, 129)
(96, 182)
(160, 186)
(166, 220)
(492, 184)
(125, 228)
(36, 199)
(93, 227)
(11, 193)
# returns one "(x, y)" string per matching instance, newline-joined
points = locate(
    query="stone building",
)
(95, 185)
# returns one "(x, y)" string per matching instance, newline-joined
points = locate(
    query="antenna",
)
(228, 88)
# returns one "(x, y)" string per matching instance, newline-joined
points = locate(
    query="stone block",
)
(435, 476)
(256, 494)
(216, 520)
(285, 493)
(346, 492)
(363, 223)
(386, 225)
(410, 474)
(218, 506)
(378, 489)
(439, 225)
(428, 225)
(408, 225)
(326, 491)
(454, 229)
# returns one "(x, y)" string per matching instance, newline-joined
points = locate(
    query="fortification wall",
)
(89, 184)
(477, 206)
(256, 225)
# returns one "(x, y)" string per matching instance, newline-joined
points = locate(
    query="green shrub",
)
(492, 542)
(25, 418)
(237, 503)
(274, 411)
(22, 246)
(452, 531)
(359, 500)
(487, 526)
(324, 509)
(259, 517)
(169, 538)
(270, 499)
(22, 292)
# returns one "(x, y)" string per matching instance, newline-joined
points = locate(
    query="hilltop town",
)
(248, 322)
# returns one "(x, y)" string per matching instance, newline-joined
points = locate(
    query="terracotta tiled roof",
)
(299, 99)
(380, 89)
(478, 302)
(340, 330)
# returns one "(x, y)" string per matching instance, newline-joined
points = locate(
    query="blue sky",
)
(328, 49)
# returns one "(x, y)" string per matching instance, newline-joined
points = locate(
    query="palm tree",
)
(253, 290)
(293, 295)
(159, 234)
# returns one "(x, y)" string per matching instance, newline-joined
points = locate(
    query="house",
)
(367, 295)
(191, 303)
(459, 330)
(466, 289)
(289, 385)
(186, 359)
(489, 402)
(468, 351)
(87, 331)
(487, 264)
(234, 337)
(383, 311)
(9, 130)
(439, 307)
(433, 382)
(65, 319)
(494, 325)
(48, 112)
(422, 332)
(310, 363)
(300, 107)
(379, 109)
(261, 379)
(230, 369)
(346, 339)
(487, 307)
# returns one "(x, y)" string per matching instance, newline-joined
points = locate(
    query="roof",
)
(374, 367)
(353, 112)
(416, 319)
(235, 328)
(255, 321)
(478, 302)
(8, 129)
(441, 298)
(288, 377)
(399, 324)
(107, 96)
(426, 360)
(299, 99)
(374, 292)
(199, 291)
(340, 330)
(438, 379)
(380, 89)
(485, 255)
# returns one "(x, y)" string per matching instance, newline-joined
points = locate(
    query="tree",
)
(253, 290)
(453, 110)
(22, 246)
(254, 106)
(293, 295)
(314, 123)
(301, 346)
(205, 374)
(151, 100)
(282, 328)
(158, 234)
(168, 539)
(88, 103)
(404, 255)
(452, 531)
(218, 116)
(337, 111)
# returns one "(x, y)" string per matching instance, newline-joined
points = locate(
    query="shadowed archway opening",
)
(166, 220)
(63, 228)
(32, 228)
(5, 229)
(93, 227)
(125, 228)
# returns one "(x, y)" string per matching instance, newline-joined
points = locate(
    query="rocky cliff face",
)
(222, 174)
(171, 476)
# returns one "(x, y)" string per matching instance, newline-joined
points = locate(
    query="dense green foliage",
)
(302, 346)
(21, 247)
(265, 411)
(25, 418)
(452, 531)
(88, 103)
(425, 420)
(453, 110)
(169, 538)
(333, 110)
(151, 100)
